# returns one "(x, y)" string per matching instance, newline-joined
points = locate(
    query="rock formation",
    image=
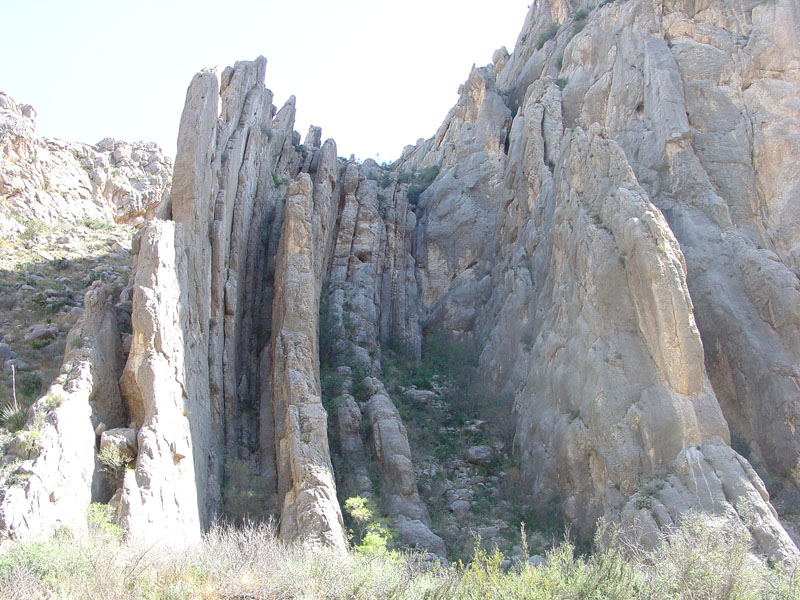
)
(57, 473)
(606, 214)
(52, 181)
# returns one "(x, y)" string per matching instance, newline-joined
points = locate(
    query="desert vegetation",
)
(696, 560)
(43, 276)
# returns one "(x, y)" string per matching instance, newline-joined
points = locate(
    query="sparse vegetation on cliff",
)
(546, 35)
(419, 180)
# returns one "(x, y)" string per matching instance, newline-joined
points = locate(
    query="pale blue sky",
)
(375, 75)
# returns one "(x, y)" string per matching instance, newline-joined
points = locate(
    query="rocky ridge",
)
(49, 181)
(605, 215)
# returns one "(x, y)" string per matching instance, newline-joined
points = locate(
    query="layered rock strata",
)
(606, 214)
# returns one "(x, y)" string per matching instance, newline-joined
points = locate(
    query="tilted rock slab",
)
(310, 511)
(401, 497)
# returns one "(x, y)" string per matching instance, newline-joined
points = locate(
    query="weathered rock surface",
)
(310, 511)
(50, 180)
(607, 214)
(612, 389)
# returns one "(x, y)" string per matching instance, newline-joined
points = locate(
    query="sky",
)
(375, 76)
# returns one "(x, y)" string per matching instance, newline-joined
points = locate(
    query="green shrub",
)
(419, 180)
(62, 264)
(561, 82)
(98, 224)
(33, 228)
(546, 35)
(427, 175)
(29, 385)
(13, 418)
(44, 563)
(278, 182)
(30, 441)
(580, 14)
(40, 343)
(101, 520)
(405, 177)
(360, 391)
(372, 535)
(52, 401)
(113, 462)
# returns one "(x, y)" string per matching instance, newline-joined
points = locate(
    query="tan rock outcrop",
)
(233, 242)
(159, 501)
(310, 511)
(583, 245)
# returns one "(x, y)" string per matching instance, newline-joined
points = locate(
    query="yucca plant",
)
(13, 417)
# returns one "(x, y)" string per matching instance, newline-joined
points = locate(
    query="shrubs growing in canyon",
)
(369, 533)
(113, 461)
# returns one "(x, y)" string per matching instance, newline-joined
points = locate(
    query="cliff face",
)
(645, 209)
(606, 214)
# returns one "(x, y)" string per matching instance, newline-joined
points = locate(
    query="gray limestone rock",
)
(413, 533)
(6, 353)
(41, 333)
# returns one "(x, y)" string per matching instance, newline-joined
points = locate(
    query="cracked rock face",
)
(607, 214)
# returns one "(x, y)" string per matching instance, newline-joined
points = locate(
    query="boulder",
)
(479, 455)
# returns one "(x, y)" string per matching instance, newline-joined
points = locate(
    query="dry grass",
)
(693, 562)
